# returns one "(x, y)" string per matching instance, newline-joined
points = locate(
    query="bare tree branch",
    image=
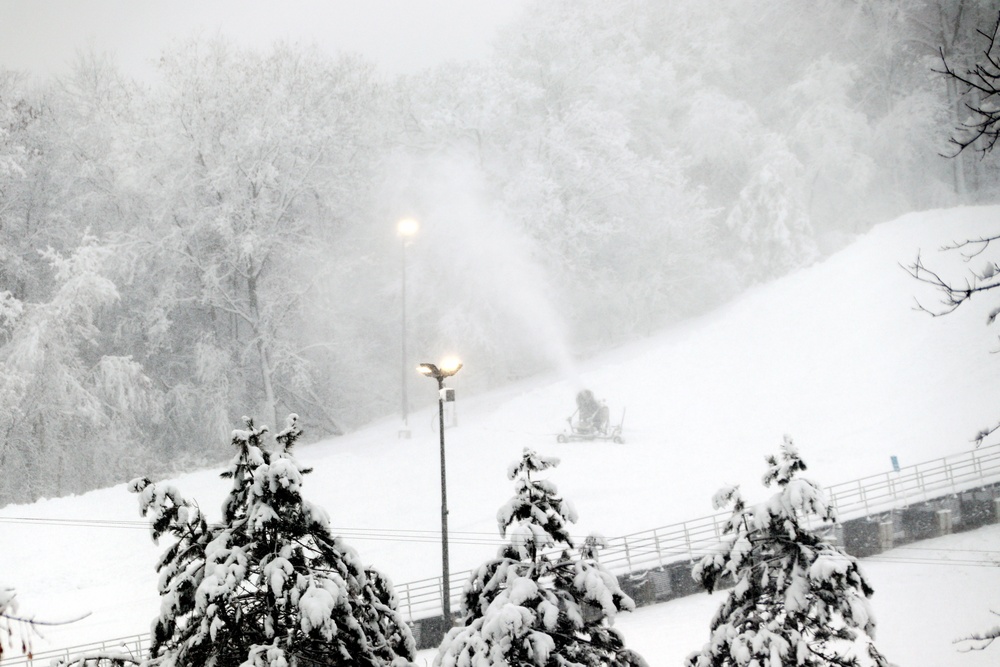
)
(984, 79)
(985, 433)
(955, 294)
(980, 640)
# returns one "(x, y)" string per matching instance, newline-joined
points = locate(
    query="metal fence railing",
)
(689, 540)
(916, 483)
(134, 646)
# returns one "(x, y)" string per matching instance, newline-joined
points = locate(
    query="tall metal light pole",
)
(406, 228)
(439, 373)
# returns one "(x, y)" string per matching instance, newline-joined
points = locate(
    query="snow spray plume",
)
(493, 290)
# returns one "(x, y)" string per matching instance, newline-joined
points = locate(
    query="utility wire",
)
(473, 538)
(400, 534)
(912, 555)
(405, 535)
(376, 534)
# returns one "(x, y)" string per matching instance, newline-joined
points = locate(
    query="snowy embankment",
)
(834, 355)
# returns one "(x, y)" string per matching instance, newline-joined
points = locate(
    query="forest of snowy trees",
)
(220, 240)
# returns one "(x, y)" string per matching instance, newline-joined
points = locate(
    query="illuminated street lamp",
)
(447, 368)
(406, 229)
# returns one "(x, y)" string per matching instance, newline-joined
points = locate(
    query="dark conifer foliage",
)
(797, 599)
(271, 585)
(542, 601)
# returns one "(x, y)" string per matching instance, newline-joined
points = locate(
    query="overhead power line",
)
(377, 534)
(907, 554)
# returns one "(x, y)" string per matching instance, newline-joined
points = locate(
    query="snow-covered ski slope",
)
(834, 355)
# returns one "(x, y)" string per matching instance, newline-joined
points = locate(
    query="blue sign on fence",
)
(895, 464)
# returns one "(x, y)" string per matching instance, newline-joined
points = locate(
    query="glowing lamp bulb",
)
(407, 227)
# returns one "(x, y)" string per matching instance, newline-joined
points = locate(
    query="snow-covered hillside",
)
(834, 355)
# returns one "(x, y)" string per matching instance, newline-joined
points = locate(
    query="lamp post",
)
(439, 373)
(406, 228)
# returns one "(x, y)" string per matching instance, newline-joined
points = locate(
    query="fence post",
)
(886, 530)
(409, 601)
(440, 609)
(715, 527)
(457, 589)
(944, 523)
(628, 555)
(656, 544)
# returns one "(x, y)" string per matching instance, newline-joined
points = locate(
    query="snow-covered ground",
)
(834, 355)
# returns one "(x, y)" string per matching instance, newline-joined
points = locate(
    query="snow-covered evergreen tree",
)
(541, 601)
(270, 586)
(797, 599)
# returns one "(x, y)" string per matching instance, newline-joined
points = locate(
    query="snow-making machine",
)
(591, 421)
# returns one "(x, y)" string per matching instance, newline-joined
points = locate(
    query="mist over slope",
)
(834, 355)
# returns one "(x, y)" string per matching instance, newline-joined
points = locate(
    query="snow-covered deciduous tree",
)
(831, 138)
(61, 394)
(797, 599)
(270, 585)
(770, 223)
(542, 601)
(592, 158)
(261, 162)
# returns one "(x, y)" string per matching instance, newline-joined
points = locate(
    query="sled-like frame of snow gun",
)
(582, 430)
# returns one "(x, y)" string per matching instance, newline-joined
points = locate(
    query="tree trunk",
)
(269, 415)
(949, 34)
(269, 408)
(958, 162)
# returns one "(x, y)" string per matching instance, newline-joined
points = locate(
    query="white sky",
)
(400, 36)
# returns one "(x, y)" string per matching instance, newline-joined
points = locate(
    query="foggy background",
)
(210, 232)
